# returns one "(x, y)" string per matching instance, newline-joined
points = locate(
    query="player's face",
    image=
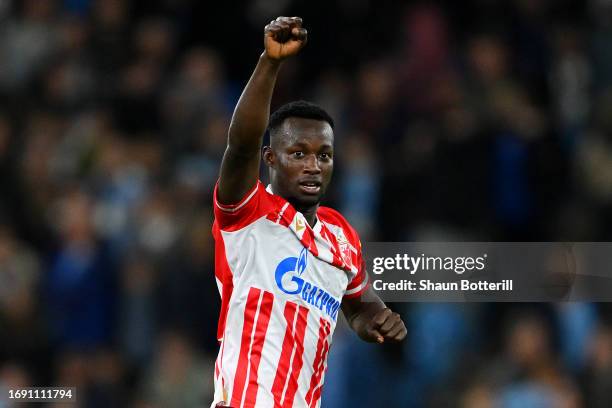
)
(302, 161)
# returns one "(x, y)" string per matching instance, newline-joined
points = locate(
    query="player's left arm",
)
(372, 320)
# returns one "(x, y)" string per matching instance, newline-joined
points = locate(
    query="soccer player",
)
(284, 265)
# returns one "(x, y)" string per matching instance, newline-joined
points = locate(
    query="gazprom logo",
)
(288, 277)
(293, 265)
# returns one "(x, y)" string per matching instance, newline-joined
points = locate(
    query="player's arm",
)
(283, 38)
(372, 320)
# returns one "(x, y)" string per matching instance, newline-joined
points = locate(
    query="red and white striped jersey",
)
(281, 284)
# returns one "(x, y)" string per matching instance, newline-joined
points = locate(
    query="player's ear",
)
(268, 156)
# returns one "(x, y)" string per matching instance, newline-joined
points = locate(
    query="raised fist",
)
(284, 37)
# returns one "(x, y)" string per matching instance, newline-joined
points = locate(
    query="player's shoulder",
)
(331, 216)
(258, 202)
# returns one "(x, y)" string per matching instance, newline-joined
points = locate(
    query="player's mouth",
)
(310, 187)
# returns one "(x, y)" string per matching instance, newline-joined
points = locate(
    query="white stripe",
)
(242, 204)
(324, 251)
(219, 285)
(282, 211)
(294, 352)
(358, 288)
(220, 288)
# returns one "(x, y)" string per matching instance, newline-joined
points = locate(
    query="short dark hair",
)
(298, 109)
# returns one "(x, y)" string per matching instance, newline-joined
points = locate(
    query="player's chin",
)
(308, 199)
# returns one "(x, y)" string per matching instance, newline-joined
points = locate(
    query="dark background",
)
(477, 120)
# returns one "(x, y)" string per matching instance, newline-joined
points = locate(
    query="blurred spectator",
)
(478, 396)
(25, 329)
(98, 377)
(80, 291)
(360, 184)
(12, 377)
(179, 375)
(27, 43)
(570, 82)
(137, 310)
(598, 380)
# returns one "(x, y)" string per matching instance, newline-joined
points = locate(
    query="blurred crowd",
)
(476, 120)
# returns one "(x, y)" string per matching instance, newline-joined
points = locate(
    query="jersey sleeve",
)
(233, 217)
(359, 283)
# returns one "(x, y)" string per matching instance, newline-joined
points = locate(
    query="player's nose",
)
(311, 164)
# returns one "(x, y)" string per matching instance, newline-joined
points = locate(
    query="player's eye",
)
(298, 154)
(325, 156)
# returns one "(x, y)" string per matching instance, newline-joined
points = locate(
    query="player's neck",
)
(311, 216)
(310, 213)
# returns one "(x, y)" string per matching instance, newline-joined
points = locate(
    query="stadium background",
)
(472, 120)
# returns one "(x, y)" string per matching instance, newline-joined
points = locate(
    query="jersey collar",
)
(317, 226)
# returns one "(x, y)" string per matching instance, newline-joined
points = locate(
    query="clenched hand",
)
(284, 37)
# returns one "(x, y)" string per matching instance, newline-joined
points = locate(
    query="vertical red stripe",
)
(316, 362)
(317, 393)
(296, 366)
(322, 347)
(258, 341)
(247, 329)
(280, 378)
